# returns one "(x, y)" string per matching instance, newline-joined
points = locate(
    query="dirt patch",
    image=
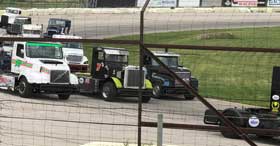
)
(217, 35)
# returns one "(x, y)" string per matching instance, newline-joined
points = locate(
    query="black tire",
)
(157, 91)
(24, 88)
(226, 3)
(109, 91)
(236, 118)
(189, 96)
(146, 99)
(63, 96)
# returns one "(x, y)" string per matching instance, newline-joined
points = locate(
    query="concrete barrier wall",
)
(189, 3)
(70, 11)
(273, 3)
(158, 3)
(211, 3)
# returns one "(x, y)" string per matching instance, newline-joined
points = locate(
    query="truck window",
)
(20, 50)
(167, 60)
(100, 56)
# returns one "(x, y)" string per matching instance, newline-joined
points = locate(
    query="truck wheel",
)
(25, 89)
(226, 3)
(109, 91)
(236, 118)
(146, 99)
(63, 96)
(189, 96)
(156, 91)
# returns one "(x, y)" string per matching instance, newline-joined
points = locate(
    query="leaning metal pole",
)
(187, 86)
(141, 47)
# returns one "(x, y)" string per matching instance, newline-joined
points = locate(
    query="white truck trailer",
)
(36, 67)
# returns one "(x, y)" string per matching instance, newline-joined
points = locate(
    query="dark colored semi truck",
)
(256, 118)
(163, 83)
(112, 76)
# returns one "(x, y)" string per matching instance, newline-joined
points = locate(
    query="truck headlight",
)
(81, 80)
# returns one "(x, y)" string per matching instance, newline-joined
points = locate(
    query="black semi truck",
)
(257, 118)
(163, 83)
(111, 75)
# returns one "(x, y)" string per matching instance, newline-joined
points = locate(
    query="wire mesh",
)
(226, 79)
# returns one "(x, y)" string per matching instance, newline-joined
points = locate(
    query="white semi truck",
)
(73, 53)
(37, 67)
(9, 16)
(32, 30)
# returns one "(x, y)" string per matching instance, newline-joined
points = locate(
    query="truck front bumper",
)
(83, 68)
(179, 89)
(56, 88)
(135, 93)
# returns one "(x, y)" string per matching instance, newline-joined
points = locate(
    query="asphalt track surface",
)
(46, 121)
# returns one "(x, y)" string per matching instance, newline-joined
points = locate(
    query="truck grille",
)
(15, 29)
(60, 76)
(183, 75)
(132, 79)
(74, 58)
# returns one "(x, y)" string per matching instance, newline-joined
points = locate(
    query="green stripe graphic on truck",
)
(117, 82)
(19, 63)
(44, 44)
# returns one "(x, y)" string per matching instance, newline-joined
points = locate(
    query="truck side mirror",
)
(147, 60)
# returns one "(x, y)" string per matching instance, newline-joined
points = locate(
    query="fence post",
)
(159, 130)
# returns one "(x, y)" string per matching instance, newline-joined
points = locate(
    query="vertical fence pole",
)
(141, 57)
(159, 130)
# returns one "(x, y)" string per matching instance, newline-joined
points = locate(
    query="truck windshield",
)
(167, 60)
(72, 45)
(44, 50)
(56, 22)
(116, 58)
(12, 11)
(22, 21)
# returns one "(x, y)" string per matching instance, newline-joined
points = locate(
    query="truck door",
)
(18, 58)
(98, 67)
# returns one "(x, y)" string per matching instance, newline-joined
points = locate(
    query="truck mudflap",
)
(56, 88)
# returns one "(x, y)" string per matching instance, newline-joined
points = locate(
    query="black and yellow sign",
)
(275, 106)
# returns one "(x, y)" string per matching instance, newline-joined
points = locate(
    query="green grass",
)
(234, 76)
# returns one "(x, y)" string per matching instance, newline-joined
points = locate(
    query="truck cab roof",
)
(64, 22)
(42, 44)
(12, 10)
(58, 36)
(167, 54)
(114, 51)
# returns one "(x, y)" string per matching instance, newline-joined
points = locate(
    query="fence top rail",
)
(213, 48)
(148, 45)
(108, 41)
